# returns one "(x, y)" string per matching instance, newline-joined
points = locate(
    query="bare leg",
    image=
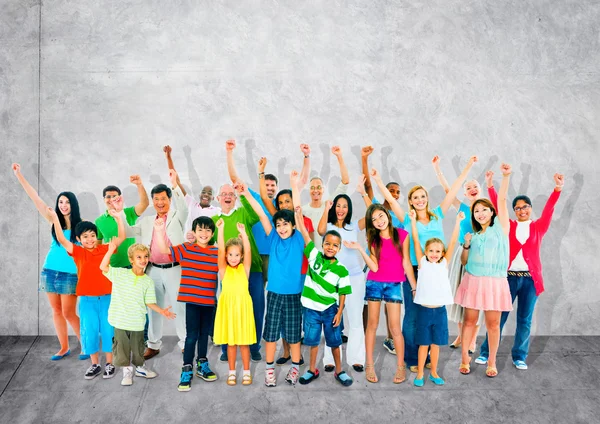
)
(469, 324)
(492, 322)
(109, 357)
(231, 356)
(457, 340)
(372, 324)
(335, 351)
(245, 352)
(387, 323)
(296, 355)
(394, 311)
(314, 350)
(423, 351)
(69, 310)
(286, 348)
(473, 343)
(434, 354)
(60, 323)
(270, 348)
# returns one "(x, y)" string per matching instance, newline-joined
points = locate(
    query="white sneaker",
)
(144, 372)
(127, 376)
(520, 365)
(481, 360)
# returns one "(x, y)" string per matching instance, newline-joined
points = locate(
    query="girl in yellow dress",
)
(234, 323)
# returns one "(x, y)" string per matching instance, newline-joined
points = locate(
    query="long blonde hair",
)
(411, 192)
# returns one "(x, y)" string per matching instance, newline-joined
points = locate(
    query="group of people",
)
(312, 261)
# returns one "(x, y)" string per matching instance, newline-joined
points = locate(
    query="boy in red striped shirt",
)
(198, 289)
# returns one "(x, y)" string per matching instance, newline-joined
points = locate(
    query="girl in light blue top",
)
(59, 274)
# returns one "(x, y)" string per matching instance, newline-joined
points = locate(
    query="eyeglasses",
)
(227, 194)
(316, 187)
(522, 208)
(109, 197)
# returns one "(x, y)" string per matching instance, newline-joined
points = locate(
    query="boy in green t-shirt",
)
(327, 283)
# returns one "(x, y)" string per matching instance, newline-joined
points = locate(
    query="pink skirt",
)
(484, 293)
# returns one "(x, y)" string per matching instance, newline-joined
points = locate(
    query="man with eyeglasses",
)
(107, 226)
(525, 270)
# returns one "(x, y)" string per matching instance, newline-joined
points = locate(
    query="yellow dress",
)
(234, 322)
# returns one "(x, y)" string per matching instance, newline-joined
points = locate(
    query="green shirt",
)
(107, 229)
(325, 281)
(130, 295)
(248, 217)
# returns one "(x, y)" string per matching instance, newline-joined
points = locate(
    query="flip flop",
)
(491, 372)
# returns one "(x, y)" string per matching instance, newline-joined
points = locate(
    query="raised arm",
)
(262, 163)
(144, 201)
(178, 198)
(159, 231)
(364, 155)
(222, 260)
(396, 208)
(442, 180)
(112, 247)
(60, 235)
(120, 226)
(167, 149)
(337, 151)
(300, 225)
(489, 181)
(407, 265)
(415, 236)
(322, 227)
(451, 195)
(233, 175)
(40, 205)
(543, 223)
(242, 189)
(305, 171)
(502, 197)
(294, 185)
(360, 188)
(454, 238)
(247, 252)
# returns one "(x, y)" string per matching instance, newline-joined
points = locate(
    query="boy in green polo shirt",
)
(327, 283)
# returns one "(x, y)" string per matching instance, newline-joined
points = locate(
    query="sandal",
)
(370, 373)
(491, 372)
(231, 380)
(465, 369)
(246, 379)
(400, 375)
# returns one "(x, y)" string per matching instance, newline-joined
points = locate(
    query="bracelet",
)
(466, 247)
(306, 156)
(261, 173)
(439, 173)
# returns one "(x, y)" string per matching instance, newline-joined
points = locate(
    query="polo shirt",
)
(199, 273)
(107, 229)
(90, 280)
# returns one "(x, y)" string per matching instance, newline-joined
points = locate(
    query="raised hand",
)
(118, 203)
(112, 246)
(241, 228)
(506, 169)
(230, 145)
(366, 151)
(16, 169)
(351, 244)
(360, 187)
(220, 223)
(116, 214)
(262, 164)
(468, 238)
(472, 160)
(412, 214)
(294, 176)
(375, 174)
(159, 225)
(173, 177)
(489, 175)
(135, 179)
(435, 161)
(190, 237)
(459, 216)
(305, 149)
(167, 149)
(337, 151)
(559, 180)
(241, 188)
(328, 205)
(52, 213)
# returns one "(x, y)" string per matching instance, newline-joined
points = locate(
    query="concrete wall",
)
(515, 82)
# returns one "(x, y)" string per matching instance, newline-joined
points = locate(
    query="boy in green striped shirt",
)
(327, 284)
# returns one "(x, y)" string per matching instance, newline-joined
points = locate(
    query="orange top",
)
(90, 280)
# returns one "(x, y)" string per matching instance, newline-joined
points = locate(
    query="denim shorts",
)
(315, 321)
(57, 282)
(376, 291)
(432, 326)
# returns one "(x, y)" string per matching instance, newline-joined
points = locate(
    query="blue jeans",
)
(523, 288)
(409, 327)
(316, 322)
(257, 293)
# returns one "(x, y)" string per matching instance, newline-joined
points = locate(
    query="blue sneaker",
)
(344, 379)
(520, 365)
(419, 382)
(59, 357)
(204, 372)
(185, 382)
(481, 360)
(437, 380)
(389, 345)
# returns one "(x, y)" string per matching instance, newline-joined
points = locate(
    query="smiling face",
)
(226, 198)
(64, 205)
(88, 239)
(472, 190)
(284, 201)
(341, 209)
(271, 188)
(316, 189)
(522, 211)
(203, 235)
(434, 252)
(139, 260)
(109, 196)
(331, 246)
(161, 203)
(482, 214)
(206, 197)
(394, 190)
(234, 255)
(284, 228)
(418, 200)
(380, 220)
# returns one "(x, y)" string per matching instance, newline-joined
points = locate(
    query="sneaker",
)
(185, 382)
(127, 376)
(93, 371)
(270, 380)
(223, 357)
(255, 356)
(481, 360)
(389, 345)
(144, 372)
(520, 365)
(204, 372)
(292, 376)
(109, 370)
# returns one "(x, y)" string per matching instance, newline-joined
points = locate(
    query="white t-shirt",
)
(522, 234)
(315, 214)
(433, 285)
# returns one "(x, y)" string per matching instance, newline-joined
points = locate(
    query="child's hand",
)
(506, 169)
(262, 163)
(117, 203)
(230, 145)
(298, 211)
(459, 216)
(360, 187)
(116, 214)
(337, 151)
(559, 180)
(112, 246)
(375, 174)
(190, 237)
(52, 213)
(167, 149)
(305, 149)
(435, 161)
(168, 314)
(135, 179)
(489, 176)
(337, 319)
(220, 224)
(241, 228)
(328, 205)
(293, 177)
(472, 160)
(412, 214)
(351, 244)
(468, 238)
(159, 225)
(366, 151)
(16, 169)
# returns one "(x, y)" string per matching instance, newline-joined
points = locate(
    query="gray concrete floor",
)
(561, 386)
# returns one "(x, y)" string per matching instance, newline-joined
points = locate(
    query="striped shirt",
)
(324, 282)
(130, 295)
(199, 273)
